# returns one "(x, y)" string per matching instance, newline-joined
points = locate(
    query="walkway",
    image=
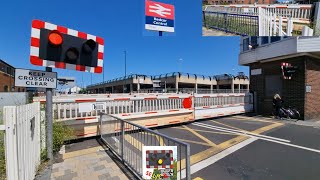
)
(88, 160)
(214, 32)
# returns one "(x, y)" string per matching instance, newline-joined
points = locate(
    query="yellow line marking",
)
(214, 150)
(81, 152)
(232, 127)
(133, 141)
(195, 142)
(251, 119)
(160, 139)
(199, 135)
(198, 178)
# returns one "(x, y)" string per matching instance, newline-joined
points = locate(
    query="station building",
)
(7, 74)
(265, 55)
(173, 82)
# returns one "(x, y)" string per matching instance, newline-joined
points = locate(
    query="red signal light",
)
(55, 38)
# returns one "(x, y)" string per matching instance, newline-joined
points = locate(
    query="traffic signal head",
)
(288, 70)
(60, 47)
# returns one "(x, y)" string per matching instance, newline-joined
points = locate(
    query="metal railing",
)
(241, 24)
(294, 11)
(223, 100)
(126, 140)
(70, 110)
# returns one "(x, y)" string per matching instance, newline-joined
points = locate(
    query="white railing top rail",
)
(279, 6)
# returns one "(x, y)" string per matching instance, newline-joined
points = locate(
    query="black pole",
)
(160, 33)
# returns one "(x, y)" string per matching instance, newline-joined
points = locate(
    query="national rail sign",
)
(34, 78)
(159, 16)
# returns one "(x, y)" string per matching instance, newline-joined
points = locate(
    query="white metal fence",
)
(297, 12)
(273, 20)
(22, 140)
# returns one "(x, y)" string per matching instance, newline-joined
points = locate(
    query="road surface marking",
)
(228, 125)
(263, 137)
(252, 119)
(198, 130)
(133, 141)
(211, 160)
(199, 135)
(239, 132)
(198, 178)
(212, 151)
(160, 139)
(194, 142)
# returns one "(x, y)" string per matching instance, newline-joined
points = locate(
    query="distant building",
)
(223, 2)
(174, 82)
(7, 73)
(265, 55)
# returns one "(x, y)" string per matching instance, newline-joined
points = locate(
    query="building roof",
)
(284, 48)
(2, 61)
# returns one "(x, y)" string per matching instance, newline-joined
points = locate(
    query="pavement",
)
(88, 160)
(214, 32)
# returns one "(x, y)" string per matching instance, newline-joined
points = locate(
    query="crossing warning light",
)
(288, 70)
(60, 47)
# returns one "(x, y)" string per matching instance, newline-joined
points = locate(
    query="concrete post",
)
(196, 87)
(138, 87)
(232, 85)
(112, 89)
(211, 88)
(316, 19)
(177, 86)
(239, 88)
(131, 88)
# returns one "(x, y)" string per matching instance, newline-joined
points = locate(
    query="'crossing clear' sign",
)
(34, 78)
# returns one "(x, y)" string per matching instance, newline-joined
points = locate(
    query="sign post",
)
(49, 119)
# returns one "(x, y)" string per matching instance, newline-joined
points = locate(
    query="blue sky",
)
(121, 24)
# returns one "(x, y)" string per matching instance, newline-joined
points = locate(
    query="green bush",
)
(2, 157)
(61, 133)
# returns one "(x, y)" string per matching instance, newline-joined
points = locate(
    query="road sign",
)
(159, 162)
(34, 78)
(159, 16)
(60, 47)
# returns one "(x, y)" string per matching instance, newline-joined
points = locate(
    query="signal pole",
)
(49, 119)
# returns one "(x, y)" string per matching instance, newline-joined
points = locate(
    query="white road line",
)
(211, 160)
(266, 139)
(242, 132)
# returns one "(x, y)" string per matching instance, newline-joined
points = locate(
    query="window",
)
(245, 44)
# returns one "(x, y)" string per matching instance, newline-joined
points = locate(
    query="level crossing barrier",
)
(147, 110)
(126, 140)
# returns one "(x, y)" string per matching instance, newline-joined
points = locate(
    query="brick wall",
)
(312, 108)
(292, 91)
(7, 80)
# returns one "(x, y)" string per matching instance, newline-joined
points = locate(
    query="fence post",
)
(289, 27)
(260, 22)
(122, 140)
(188, 172)
(280, 26)
(316, 18)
